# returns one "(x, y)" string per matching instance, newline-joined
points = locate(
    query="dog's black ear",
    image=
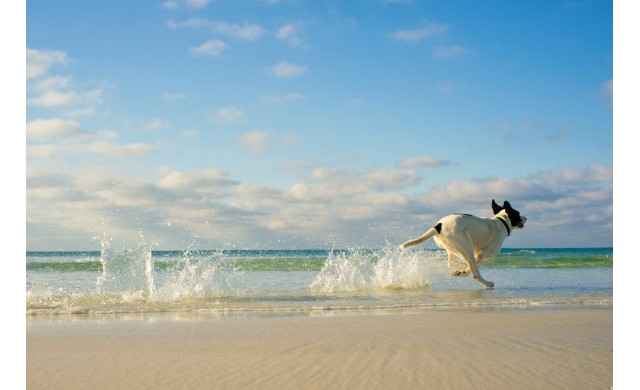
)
(507, 205)
(495, 207)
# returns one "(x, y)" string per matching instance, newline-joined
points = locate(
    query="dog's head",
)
(517, 221)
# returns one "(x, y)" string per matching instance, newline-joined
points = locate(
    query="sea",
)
(119, 281)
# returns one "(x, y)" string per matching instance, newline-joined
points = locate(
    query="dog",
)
(473, 239)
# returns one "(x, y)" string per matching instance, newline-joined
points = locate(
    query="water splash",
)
(125, 270)
(199, 277)
(388, 268)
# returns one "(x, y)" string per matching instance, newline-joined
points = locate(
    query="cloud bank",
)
(213, 209)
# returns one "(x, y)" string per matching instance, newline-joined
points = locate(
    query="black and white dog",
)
(473, 239)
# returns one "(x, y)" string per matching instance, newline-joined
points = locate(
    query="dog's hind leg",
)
(452, 259)
(459, 270)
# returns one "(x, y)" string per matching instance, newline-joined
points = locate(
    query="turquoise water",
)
(140, 280)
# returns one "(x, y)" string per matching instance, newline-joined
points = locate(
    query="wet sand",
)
(517, 349)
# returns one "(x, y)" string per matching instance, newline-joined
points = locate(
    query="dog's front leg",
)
(470, 259)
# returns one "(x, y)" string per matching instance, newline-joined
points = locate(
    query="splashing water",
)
(387, 268)
(125, 270)
(199, 278)
(125, 280)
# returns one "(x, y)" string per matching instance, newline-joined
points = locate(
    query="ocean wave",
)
(314, 260)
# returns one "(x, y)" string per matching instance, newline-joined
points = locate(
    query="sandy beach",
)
(519, 349)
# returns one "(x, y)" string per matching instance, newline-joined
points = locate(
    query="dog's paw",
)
(489, 285)
(460, 273)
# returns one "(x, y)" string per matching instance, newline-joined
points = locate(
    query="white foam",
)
(198, 279)
(388, 268)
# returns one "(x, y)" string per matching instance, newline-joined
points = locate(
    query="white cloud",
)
(189, 134)
(66, 137)
(415, 35)
(470, 194)
(563, 176)
(50, 83)
(290, 33)
(52, 99)
(99, 147)
(508, 127)
(448, 52)
(442, 52)
(367, 207)
(259, 141)
(390, 179)
(90, 98)
(194, 23)
(295, 166)
(83, 111)
(553, 191)
(111, 149)
(54, 91)
(286, 70)
(422, 161)
(256, 141)
(154, 124)
(78, 204)
(212, 48)
(325, 184)
(257, 192)
(210, 205)
(40, 61)
(247, 32)
(281, 99)
(169, 5)
(196, 3)
(228, 115)
(211, 181)
(46, 129)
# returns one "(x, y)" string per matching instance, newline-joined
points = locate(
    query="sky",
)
(265, 124)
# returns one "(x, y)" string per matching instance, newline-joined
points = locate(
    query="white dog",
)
(471, 238)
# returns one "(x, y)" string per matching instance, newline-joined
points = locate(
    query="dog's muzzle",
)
(521, 224)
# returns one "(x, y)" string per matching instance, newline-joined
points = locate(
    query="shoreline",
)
(232, 312)
(541, 347)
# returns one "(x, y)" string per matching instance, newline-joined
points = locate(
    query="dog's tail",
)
(427, 235)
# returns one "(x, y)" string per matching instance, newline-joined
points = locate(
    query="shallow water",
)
(139, 280)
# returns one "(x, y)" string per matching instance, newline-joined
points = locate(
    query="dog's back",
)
(461, 228)
(458, 228)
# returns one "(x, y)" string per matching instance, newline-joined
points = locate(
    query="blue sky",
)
(309, 124)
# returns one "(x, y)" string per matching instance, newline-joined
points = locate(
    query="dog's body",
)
(471, 238)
